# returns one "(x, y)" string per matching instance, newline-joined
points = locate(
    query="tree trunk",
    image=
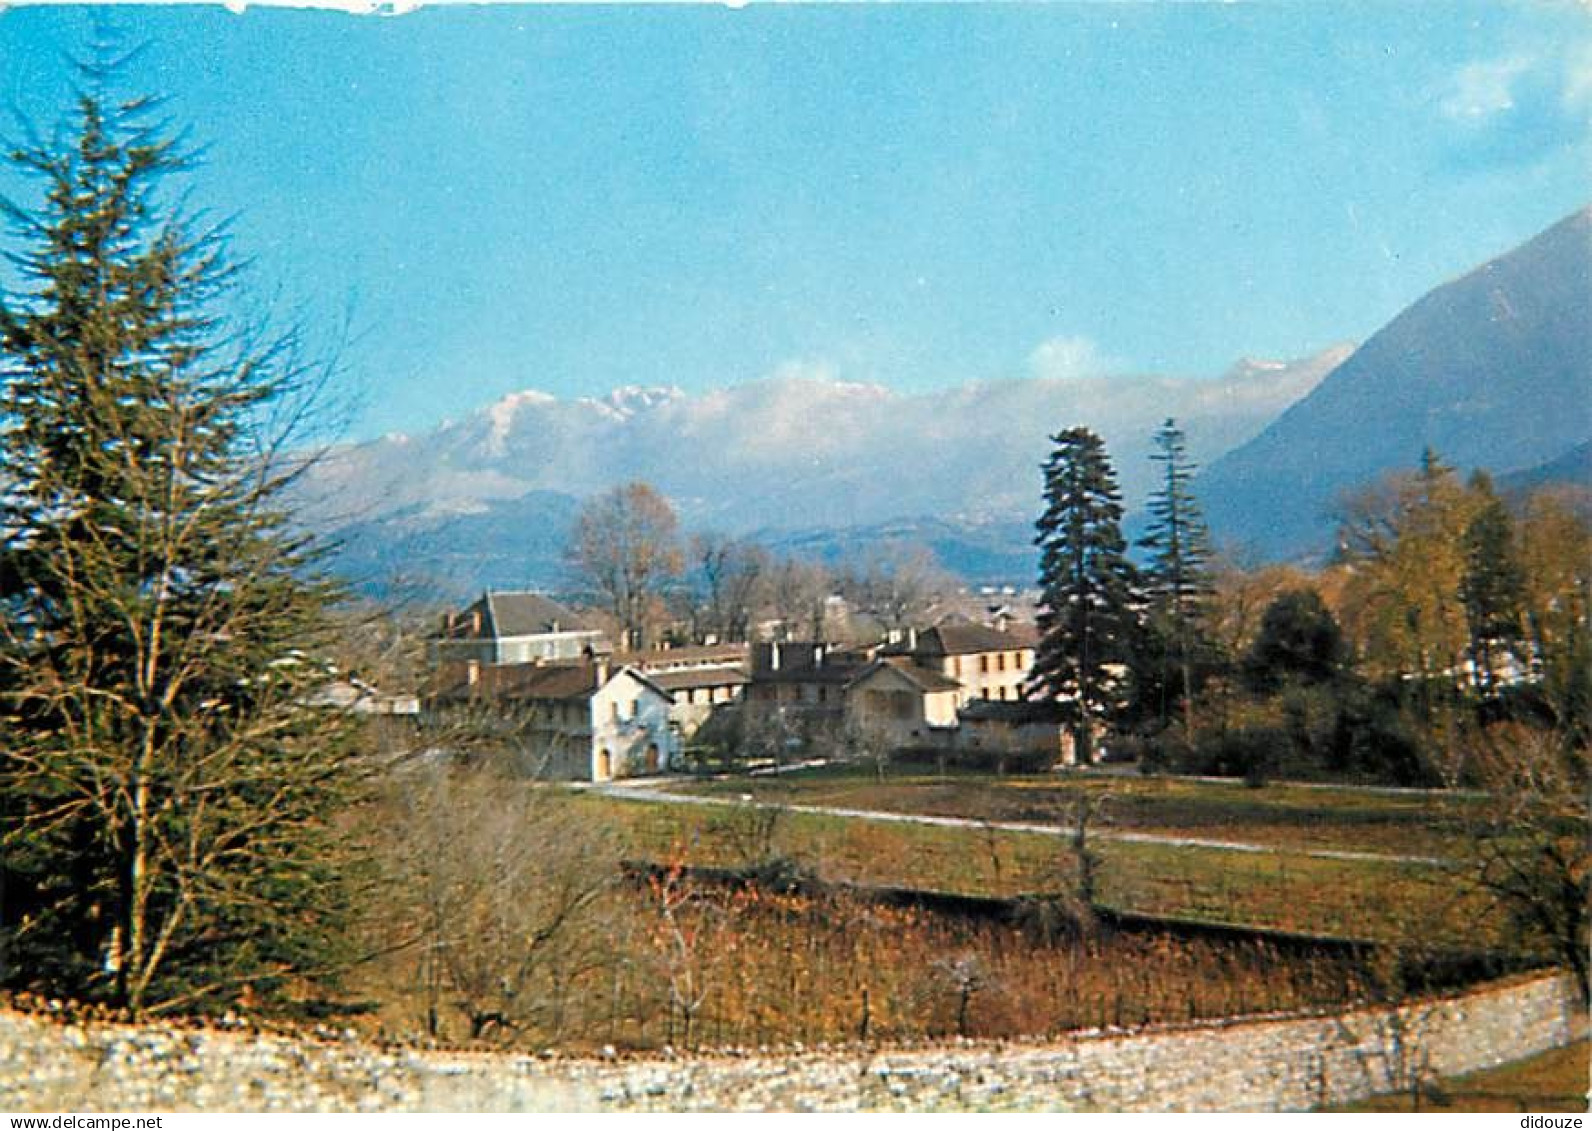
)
(131, 977)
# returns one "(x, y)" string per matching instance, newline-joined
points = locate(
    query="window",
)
(635, 708)
(983, 663)
(613, 710)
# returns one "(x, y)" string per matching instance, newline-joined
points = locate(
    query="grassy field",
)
(1293, 816)
(1282, 889)
(1554, 1081)
(666, 961)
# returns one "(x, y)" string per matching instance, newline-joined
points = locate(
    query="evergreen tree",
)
(1492, 586)
(166, 783)
(1299, 642)
(1176, 579)
(1089, 604)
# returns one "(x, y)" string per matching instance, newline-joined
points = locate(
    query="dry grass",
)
(1292, 816)
(701, 967)
(672, 966)
(1282, 890)
(1554, 1081)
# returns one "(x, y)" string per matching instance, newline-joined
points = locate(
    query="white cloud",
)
(1519, 109)
(1490, 88)
(1482, 89)
(1578, 77)
(1067, 359)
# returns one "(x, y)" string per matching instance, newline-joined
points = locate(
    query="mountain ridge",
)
(1491, 369)
(801, 450)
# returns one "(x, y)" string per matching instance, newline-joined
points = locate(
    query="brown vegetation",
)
(672, 964)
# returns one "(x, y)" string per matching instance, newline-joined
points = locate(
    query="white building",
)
(571, 721)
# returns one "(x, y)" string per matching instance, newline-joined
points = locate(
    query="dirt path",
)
(657, 791)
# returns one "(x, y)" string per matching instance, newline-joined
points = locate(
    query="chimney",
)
(600, 671)
(912, 640)
(773, 656)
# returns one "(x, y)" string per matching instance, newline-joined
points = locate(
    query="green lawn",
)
(1284, 890)
(1554, 1081)
(1340, 818)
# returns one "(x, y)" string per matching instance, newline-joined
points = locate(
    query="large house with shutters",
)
(950, 687)
(988, 663)
(805, 680)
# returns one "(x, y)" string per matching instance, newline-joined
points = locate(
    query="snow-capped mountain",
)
(802, 449)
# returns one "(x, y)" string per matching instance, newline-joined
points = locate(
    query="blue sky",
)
(574, 198)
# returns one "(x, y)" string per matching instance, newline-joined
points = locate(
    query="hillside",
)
(1492, 370)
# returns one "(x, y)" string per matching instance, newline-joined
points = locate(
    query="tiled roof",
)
(687, 678)
(518, 681)
(531, 614)
(923, 678)
(836, 673)
(963, 639)
(541, 682)
(658, 659)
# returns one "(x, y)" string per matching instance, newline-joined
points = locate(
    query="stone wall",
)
(1281, 1063)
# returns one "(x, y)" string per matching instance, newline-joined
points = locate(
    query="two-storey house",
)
(515, 628)
(573, 721)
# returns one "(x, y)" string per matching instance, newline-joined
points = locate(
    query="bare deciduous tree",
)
(1530, 854)
(685, 932)
(626, 545)
(798, 594)
(864, 743)
(730, 576)
(898, 585)
(498, 880)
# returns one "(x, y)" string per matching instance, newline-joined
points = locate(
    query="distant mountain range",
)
(807, 461)
(1572, 469)
(1491, 370)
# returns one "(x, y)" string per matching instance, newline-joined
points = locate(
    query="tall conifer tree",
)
(1492, 586)
(1176, 579)
(166, 783)
(1088, 612)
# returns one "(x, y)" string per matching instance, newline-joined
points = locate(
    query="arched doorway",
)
(605, 765)
(652, 757)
